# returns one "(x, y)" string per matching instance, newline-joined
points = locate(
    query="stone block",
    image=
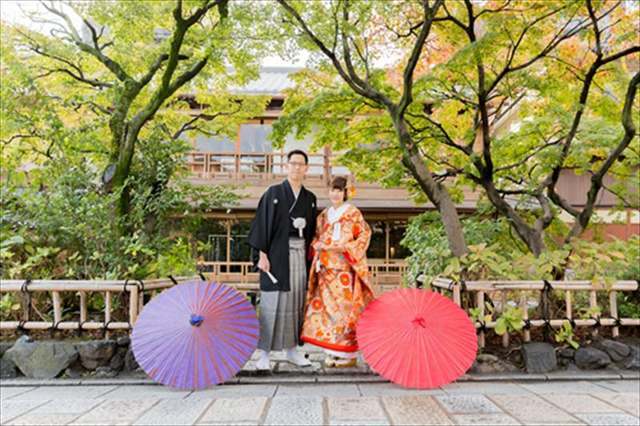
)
(41, 360)
(96, 353)
(590, 358)
(539, 357)
(616, 350)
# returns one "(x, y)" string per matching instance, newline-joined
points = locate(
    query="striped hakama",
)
(281, 312)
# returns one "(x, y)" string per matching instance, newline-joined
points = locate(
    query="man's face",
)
(296, 167)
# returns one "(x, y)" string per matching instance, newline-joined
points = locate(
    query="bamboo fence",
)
(134, 290)
(479, 289)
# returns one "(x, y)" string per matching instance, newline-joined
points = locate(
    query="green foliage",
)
(65, 228)
(565, 335)
(510, 320)
(495, 254)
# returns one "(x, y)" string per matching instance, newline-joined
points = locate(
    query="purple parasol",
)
(195, 335)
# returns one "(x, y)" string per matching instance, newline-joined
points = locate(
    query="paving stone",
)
(629, 402)
(271, 379)
(231, 391)
(174, 412)
(621, 385)
(9, 392)
(43, 419)
(467, 404)
(484, 419)
(12, 409)
(391, 389)
(289, 410)
(348, 378)
(327, 390)
(116, 412)
(67, 406)
(144, 392)
(485, 387)
(358, 422)
(366, 410)
(532, 409)
(287, 367)
(234, 410)
(415, 410)
(67, 392)
(610, 419)
(563, 387)
(579, 403)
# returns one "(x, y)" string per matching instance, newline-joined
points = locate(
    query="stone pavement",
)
(596, 402)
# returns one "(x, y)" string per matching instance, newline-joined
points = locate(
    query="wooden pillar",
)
(228, 225)
(387, 239)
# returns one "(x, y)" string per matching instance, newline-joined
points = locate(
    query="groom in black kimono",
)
(280, 236)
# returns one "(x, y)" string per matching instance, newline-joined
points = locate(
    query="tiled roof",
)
(272, 81)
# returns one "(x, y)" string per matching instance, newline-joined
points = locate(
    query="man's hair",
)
(298, 152)
(340, 183)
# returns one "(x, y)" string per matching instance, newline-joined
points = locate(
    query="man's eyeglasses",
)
(296, 164)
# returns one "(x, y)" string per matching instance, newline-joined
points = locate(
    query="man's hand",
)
(263, 262)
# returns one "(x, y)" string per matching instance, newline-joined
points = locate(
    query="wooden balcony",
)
(253, 166)
(384, 275)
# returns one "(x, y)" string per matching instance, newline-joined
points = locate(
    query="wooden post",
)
(525, 316)
(83, 306)
(593, 304)
(503, 306)
(567, 299)
(613, 308)
(480, 304)
(133, 305)
(57, 307)
(456, 294)
(107, 311)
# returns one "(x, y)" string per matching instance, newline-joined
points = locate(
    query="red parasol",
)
(417, 338)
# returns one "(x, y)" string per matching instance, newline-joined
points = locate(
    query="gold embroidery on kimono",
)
(339, 287)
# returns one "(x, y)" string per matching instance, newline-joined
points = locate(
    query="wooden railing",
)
(252, 166)
(132, 289)
(384, 275)
(479, 289)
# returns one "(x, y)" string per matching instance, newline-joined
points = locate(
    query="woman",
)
(339, 286)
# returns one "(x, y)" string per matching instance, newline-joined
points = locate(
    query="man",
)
(280, 236)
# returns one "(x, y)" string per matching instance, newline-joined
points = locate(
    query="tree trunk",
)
(436, 192)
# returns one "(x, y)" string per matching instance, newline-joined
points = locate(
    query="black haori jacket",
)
(272, 226)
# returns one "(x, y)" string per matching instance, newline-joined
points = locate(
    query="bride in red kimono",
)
(339, 287)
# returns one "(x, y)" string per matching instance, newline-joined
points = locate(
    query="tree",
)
(130, 72)
(560, 70)
(336, 31)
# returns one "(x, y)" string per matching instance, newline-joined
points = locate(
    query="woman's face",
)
(336, 196)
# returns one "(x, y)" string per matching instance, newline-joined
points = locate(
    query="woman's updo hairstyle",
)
(340, 183)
